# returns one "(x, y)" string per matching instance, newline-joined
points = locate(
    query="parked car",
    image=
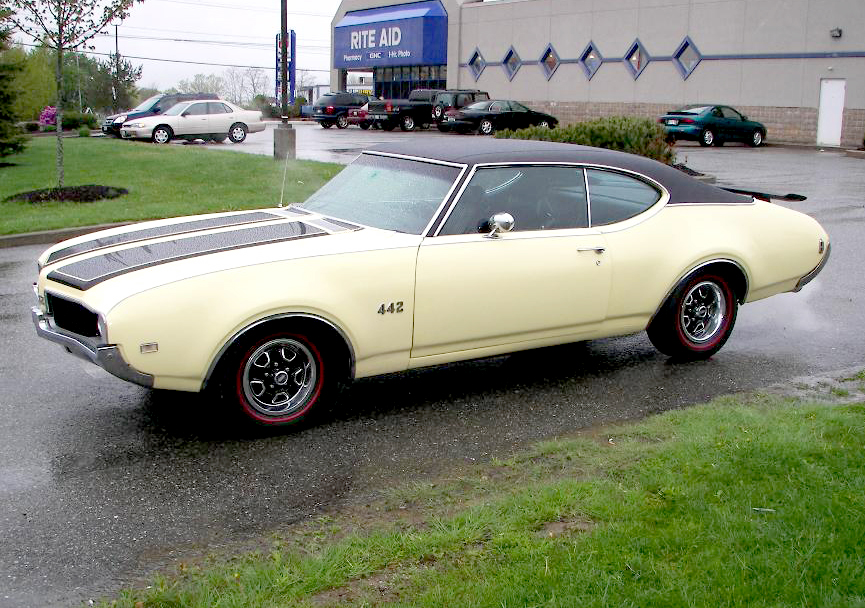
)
(408, 114)
(196, 119)
(454, 99)
(332, 108)
(360, 117)
(494, 115)
(152, 106)
(712, 125)
(417, 254)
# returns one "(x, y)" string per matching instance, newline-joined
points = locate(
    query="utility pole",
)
(116, 23)
(284, 137)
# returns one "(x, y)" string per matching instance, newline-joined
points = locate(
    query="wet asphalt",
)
(102, 482)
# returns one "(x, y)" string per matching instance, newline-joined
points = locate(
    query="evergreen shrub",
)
(641, 136)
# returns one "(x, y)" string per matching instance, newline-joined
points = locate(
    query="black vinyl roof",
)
(479, 150)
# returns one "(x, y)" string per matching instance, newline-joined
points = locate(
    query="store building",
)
(796, 65)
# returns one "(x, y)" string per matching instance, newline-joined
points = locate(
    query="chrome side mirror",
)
(498, 223)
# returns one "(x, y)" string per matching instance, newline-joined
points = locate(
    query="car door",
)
(193, 120)
(220, 117)
(546, 279)
(734, 125)
(500, 114)
(521, 116)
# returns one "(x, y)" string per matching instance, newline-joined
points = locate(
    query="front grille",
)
(72, 316)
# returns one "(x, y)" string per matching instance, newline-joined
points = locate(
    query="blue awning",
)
(402, 34)
(429, 8)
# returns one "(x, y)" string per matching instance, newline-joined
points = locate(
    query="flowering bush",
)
(48, 116)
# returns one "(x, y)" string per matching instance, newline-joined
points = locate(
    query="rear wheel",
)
(363, 125)
(279, 378)
(707, 137)
(237, 133)
(697, 318)
(406, 123)
(486, 127)
(341, 121)
(544, 124)
(326, 124)
(438, 112)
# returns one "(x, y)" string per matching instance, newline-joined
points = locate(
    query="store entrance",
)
(397, 82)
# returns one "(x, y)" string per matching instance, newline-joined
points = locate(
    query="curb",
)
(49, 237)
(855, 153)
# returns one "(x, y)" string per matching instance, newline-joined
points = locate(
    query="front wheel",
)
(162, 134)
(544, 124)
(363, 125)
(707, 137)
(407, 123)
(341, 121)
(326, 124)
(756, 139)
(697, 318)
(279, 378)
(437, 112)
(237, 133)
(486, 127)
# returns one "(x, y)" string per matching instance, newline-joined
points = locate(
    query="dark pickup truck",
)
(416, 111)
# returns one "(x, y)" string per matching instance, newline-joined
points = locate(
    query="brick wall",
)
(783, 125)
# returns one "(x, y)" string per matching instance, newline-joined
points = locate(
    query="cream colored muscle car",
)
(420, 254)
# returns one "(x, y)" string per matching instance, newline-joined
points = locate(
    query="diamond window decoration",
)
(550, 61)
(477, 64)
(591, 60)
(511, 63)
(687, 57)
(636, 59)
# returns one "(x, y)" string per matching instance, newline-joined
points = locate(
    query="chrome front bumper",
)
(106, 356)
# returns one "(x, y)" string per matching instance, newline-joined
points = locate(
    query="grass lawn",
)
(163, 181)
(748, 501)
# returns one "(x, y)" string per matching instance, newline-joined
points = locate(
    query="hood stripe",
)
(161, 231)
(86, 273)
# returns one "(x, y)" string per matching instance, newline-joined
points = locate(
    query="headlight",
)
(135, 125)
(120, 118)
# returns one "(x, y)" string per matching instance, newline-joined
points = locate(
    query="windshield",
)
(384, 192)
(693, 109)
(146, 104)
(176, 109)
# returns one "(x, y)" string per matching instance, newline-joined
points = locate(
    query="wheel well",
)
(163, 126)
(730, 271)
(331, 342)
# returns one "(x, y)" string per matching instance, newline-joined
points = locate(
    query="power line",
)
(164, 31)
(238, 7)
(224, 65)
(250, 45)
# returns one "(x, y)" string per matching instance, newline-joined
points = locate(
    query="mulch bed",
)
(76, 194)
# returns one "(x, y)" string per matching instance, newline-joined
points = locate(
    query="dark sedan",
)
(494, 115)
(712, 125)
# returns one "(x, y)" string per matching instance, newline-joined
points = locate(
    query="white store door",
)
(831, 112)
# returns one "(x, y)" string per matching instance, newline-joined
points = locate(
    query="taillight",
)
(328, 110)
(449, 108)
(661, 120)
(388, 107)
(686, 121)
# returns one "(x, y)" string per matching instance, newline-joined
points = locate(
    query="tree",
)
(256, 82)
(11, 141)
(234, 86)
(64, 25)
(202, 83)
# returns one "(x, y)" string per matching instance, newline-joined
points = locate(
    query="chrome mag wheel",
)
(703, 309)
(280, 377)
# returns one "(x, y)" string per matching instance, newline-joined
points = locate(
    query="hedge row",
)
(626, 133)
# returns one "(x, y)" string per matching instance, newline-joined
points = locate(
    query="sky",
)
(235, 32)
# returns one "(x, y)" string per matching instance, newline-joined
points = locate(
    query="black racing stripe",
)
(161, 231)
(85, 274)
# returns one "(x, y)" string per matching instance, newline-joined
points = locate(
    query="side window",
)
(463, 100)
(716, 112)
(215, 107)
(197, 108)
(498, 106)
(731, 113)
(615, 197)
(539, 198)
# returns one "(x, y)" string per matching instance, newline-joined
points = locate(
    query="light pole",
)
(284, 136)
(116, 23)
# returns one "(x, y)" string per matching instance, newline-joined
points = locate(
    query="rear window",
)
(615, 197)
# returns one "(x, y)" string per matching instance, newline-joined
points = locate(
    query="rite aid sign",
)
(408, 34)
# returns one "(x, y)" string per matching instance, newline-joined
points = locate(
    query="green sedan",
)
(712, 125)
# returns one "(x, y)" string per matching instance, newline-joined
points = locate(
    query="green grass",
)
(163, 181)
(747, 501)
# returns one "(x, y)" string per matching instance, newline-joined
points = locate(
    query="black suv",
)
(332, 108)
(453, 99)
(152, 106)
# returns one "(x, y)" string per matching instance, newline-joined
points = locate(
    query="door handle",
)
(597, 249)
